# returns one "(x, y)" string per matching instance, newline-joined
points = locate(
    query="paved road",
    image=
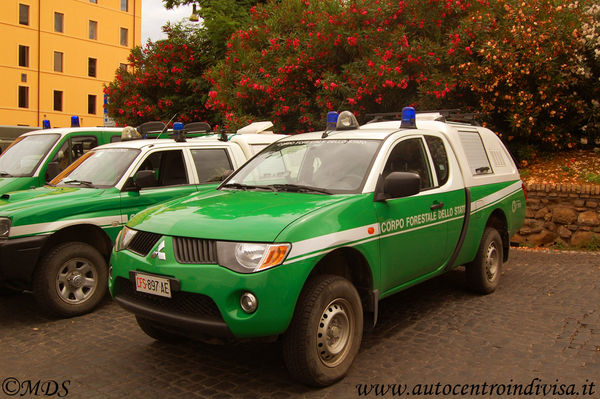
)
(543, 322)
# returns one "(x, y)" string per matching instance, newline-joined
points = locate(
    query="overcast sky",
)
(155, 15)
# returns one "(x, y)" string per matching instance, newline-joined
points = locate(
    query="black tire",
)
(328, 306)
(70, 280)
(155, 331)
(483, 273)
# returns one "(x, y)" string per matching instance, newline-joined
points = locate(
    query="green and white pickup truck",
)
(56, 240)
(304, 240)
(36, 157)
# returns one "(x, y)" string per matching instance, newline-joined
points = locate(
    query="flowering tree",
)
(507, 60)
(528, 76)
(162, 79)
(301, 58)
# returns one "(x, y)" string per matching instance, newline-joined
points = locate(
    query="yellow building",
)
(56, 56)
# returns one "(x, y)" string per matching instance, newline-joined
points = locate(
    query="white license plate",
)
(153, 285)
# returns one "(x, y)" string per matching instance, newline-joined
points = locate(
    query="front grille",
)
(194, 250)
(143, 242)
(182, 303)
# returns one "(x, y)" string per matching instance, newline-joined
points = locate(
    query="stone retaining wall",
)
(565, 214)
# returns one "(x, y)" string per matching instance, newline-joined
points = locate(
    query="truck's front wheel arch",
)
(86, 233)
(350, 264)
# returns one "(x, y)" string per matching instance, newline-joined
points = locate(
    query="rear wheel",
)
(483, 273)
(70, 280)
(324, 336)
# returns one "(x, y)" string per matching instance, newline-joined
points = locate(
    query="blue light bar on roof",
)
(408, 118)
(332, 118)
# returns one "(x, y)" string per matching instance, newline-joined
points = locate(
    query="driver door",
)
(172, 180)
(412, 240)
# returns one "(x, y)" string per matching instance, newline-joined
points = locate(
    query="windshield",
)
(323, 166)
(25, 154)
(100, 168)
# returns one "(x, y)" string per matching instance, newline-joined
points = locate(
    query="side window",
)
(168, 166)
(61, 160)
(440, 158)
(211, 164)
(476, 155)
(73, 149)
(409, 156)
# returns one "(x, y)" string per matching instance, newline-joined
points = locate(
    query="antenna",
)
(166, 126)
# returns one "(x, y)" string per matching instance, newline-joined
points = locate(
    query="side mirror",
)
(52, 171)
(398, 185)
(142, 179)
(145, 178)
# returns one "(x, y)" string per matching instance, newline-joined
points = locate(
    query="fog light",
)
(248, 302)
(110, 273)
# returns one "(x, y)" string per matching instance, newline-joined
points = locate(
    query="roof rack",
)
(441, 115)
(150, 127)
(197, 127)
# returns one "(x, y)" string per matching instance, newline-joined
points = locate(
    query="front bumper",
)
(207, 299)
(18, 259)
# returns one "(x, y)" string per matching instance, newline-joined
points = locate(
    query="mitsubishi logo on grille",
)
(161, 255)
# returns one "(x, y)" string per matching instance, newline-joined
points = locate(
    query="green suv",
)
(35, 158)
(303, 241)
(56, 240)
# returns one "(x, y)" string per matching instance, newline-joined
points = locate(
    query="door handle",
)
(436, 205)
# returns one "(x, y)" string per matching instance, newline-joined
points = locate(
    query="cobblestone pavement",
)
(543, 322)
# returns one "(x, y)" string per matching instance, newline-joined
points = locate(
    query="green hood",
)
(231, 215)
(16, 183)
(50, 203)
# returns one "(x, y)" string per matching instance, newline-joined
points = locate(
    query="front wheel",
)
(324, 336)
(483, 273)
(70, 280)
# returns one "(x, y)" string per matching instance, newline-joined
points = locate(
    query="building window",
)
(124, 34)
(58, 100)
(23, 14)
(91, 104)
(58, 61)
(94, 1)
(124, 5)
(23, 97)
(23, 56)
(92, 67)
(93, 30)
(58, 22)
(24, 78)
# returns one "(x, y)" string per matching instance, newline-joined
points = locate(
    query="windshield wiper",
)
(5, 174)
(82, 182)
(298, 188)
(247, 187)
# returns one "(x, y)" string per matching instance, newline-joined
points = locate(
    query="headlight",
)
(4, 227)
(250, 257)
(124, 238)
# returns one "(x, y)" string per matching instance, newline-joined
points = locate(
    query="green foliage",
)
(530, 70)
(166, 77)
(592, 178)
(513, 62)
(300, 59)
(162, 79)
